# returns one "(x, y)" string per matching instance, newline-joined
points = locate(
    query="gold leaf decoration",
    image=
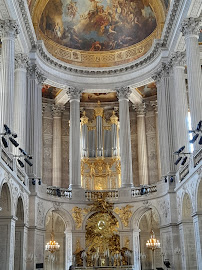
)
(124, 213)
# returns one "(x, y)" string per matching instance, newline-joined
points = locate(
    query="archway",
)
(149, 259)
(187, 235)
(7, 225)
(19, 257)
(56, 225)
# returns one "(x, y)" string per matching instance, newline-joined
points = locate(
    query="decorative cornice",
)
(35, 73)
(9, 28)
(191, 26)
(171, 22)
(74, 93)
(163, 71)
(21, 61)
(140, 108)
(57, 110)
(24, 13)
(123, 93)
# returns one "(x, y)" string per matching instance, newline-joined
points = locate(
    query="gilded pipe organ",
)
(100, 155)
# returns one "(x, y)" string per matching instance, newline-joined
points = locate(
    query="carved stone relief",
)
(40, 214)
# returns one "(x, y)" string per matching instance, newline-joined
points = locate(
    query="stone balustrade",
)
(95, 194)
(10, 161)
(60, 192)
(143, 190)
(194, 160)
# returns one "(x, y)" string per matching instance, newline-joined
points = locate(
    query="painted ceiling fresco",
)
(148, 90)
(50, 91)
(98, 25)
(102, 97)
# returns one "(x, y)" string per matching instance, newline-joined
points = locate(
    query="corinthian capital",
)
(74, 93)
(190, 26)
(57, 110)
(21, 61)
(9, 28)
(178, 59)
(35, 73)
(140, 108)
(123, 92)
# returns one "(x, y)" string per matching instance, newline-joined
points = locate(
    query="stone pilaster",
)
(155, 106)
(197, 221)
(8, 31)
(57, 145)
(166, 125)
(20, 109)
(74, 144)
(190, 29)
(142, 144)
(7, 244)
(34, 119)
(180, 99)
(125, 139)
(136, 249)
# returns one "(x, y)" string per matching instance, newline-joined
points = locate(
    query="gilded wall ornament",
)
(125, 214)
(78, 215)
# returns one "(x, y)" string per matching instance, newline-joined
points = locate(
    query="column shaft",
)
(74, 148)
(125, 139)
(57, 146)
(166, 121)
(9, 30)
(190, 29)
(181, 104)
(20, 109)
(34, 120)
(142, 145)
(197, 220)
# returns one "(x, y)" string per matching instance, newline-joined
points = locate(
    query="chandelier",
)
(52, 245)
(153, 243)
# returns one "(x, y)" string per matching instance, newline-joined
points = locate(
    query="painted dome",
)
(80, 30)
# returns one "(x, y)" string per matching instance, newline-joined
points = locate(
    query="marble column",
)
(181, 103)
(20, 109)
(166, 119)
(155, 106)
(125, 139)
(35, 79)
(197, 221)
(8, 31)
(57, 145)
(190, 29)
(74, 142)
(68, 250)
(142, 144)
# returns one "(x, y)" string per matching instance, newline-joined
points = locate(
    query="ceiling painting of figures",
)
(97, 25)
